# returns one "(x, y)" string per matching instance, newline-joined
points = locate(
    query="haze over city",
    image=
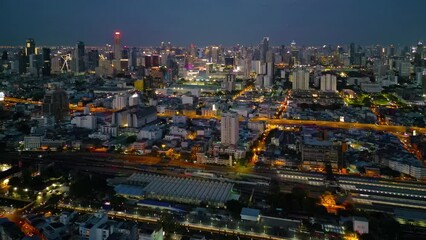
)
(146, 23)
(212, 120)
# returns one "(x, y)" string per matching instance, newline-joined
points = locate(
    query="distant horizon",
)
(414, 43)
(204, 23)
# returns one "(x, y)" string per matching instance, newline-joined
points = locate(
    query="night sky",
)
(204, 22)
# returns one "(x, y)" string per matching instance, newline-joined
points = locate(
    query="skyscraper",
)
(28, 50)
(92, 59)
(47, 64)
(229, 128)
(264, 47)
(117, 45)
(29, 47)
(133, 58)
(4, 56)
(79, 57)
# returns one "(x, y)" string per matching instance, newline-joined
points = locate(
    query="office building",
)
(229, 128)
(29, 47)
(92, 60)
(404, 68)
(47, 64)
(264, 47)
(55, 103)
(79, 57)
(316, 154)
(117, 45)
(133, 60)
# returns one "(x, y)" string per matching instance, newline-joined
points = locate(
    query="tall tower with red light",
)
(117, 45)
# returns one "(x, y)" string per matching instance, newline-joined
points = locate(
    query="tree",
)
(131, 139)
(14, 181)
(169, 225)
(81, 187)
(234, 208)
(117, 202)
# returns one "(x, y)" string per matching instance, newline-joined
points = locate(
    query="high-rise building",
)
(92, 59)
(133, 60)
(264, 47)
(300, 79)
(117, 45)
(352, 53)
(4, 56)
(56, 104)
(79, 57)
(47, 64)
(328, 82)
(28, 50)
(404, 68)
(229, 128)
(215, 54)
(29, 47)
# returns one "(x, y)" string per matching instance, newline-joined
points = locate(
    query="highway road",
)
(331, 124)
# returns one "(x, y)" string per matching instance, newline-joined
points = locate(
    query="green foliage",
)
(169, 225)
(15, 181)
(234, 208)
(131, 139)
(80, 187)
(296, 201)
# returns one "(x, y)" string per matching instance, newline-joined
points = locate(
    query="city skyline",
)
(307, 22)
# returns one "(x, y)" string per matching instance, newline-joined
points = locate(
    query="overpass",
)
(330, 124)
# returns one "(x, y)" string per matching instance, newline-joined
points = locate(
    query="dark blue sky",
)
(203, 22)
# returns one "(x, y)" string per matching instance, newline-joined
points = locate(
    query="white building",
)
(300, 79)
(110, 130)
(87, 121)
(328, 82)
(360, 225)
(150, 133)
(228, 84)
(120, 101)
(187, 99)
(134, 100)
(178, 131)
(179, 119)
(103, 231)
(411, 168)
(88, 228)
(229, 128)
(151, 234)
